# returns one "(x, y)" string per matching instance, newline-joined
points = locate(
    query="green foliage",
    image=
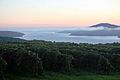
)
(36, 56)
(115, 61)
(64, 62)
(21, 60)
(93, 62)
(55, 61)
(61, 76)
(104, 66)
(31, 64)
(50, 60)
(3, 64)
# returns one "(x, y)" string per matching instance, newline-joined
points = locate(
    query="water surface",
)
(52, 34)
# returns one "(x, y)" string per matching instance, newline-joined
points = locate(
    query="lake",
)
(51, 34)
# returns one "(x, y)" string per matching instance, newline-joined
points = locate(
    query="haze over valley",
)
(99, 33)
(101, 29)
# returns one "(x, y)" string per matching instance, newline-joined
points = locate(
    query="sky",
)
(58, 12)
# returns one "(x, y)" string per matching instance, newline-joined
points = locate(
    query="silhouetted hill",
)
(11, 34)
(107, 30)
(106, 25)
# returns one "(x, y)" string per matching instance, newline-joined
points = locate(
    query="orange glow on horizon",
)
(58, 13)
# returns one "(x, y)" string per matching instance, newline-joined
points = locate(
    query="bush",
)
(104, 66)
(30, 64)
(115, 61)
(55, 61)
(64, 62)
(93, 62)
(3, 65)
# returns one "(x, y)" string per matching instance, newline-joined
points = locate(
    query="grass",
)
(62, 76)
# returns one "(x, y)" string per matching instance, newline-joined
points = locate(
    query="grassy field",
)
(60, 76)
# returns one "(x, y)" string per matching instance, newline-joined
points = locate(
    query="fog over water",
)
(52, 34)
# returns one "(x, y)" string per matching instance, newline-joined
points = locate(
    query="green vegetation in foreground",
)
(58, 60)
(61, 76)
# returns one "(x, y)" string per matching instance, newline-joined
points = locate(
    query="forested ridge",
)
(37, 56)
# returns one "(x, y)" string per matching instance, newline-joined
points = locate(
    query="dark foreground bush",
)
(93, 62)
(115, 61)
(21, 60)
(3, 65)
(30, 64)
(64, 62)
(34, 56)
(55, 61)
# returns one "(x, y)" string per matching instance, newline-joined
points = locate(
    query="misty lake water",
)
(52, 34)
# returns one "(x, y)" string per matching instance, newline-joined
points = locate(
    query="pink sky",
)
(23, 13)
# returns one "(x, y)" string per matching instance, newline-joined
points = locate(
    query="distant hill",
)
(107, 30)
(11, 34)
(106, 25)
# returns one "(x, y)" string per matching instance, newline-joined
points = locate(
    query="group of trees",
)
(20, 60)
(35, 57)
